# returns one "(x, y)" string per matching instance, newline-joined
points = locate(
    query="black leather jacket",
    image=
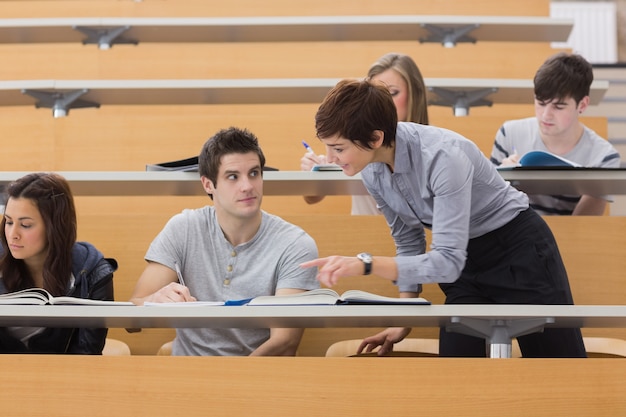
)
(93, 278)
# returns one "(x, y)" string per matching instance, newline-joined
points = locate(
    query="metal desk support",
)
(497, 333)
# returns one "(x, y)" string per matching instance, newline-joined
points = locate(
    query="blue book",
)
(545, 159)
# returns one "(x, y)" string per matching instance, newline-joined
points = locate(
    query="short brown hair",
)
(354, 109)
(563, 75)
(225, 142)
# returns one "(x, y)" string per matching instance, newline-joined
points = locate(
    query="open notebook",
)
(539, 159)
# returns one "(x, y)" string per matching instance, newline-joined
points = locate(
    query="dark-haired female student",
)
(39, 249)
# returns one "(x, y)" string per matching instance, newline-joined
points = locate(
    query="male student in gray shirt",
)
(488, 246)
(229, 251)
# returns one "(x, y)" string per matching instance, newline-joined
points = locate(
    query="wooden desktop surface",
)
(254, 91)
(144, 183)
(601, 316)
(58, 385)
(287, 28)
(497, 324)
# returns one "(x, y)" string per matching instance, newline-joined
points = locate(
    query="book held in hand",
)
(539, 159)
(326, 296)
(545, 159)
(39, 296)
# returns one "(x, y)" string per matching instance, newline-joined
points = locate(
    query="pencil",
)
(179, 274)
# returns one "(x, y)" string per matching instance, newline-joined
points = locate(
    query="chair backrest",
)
(406, 347)
(605, 347)
(596, 347)
(165, 349)
(114, 347)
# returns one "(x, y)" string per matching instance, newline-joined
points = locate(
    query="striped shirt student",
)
(591, 151)
(562, 86)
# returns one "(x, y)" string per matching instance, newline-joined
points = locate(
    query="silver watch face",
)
(365, 257)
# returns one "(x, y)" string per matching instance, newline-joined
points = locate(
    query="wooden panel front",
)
(164, 386)
(192, 8)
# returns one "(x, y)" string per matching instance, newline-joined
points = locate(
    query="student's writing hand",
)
(385, 339)
(511, 160)
(331, 268)
(309, 159)
(172, 293)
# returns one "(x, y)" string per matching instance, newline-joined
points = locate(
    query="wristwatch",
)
(367, 262)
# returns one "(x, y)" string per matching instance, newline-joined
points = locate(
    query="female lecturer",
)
(488, 246)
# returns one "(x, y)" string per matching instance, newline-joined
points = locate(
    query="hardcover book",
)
(39, 296)
(327, 296)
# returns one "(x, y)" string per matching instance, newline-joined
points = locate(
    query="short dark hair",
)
(563, 75)
(51, 194)
(354, 109)
(225, 142)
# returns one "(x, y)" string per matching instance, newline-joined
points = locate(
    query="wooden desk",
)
(141, 183)
(601, 316)
(99, 386)
(578, 181)
(498, 324)
(283, 28)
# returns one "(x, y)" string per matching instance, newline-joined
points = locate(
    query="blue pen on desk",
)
(307, 147)
(179, 274)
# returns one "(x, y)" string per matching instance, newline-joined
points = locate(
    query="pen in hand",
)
(179, 274)
(310, 159)
(307, 147)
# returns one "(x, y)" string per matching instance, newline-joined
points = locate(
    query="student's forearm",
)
(407, 294)
(284, 344)
(590, 206)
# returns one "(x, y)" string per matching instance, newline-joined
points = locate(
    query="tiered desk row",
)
(120, 210)
(62, 95)
(106, 32)
(448, 30)
(598, 182)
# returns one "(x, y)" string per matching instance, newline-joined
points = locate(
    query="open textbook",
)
(330, 297)
(545, 159)
(39, 296)
(320, 296)
(538, 159)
